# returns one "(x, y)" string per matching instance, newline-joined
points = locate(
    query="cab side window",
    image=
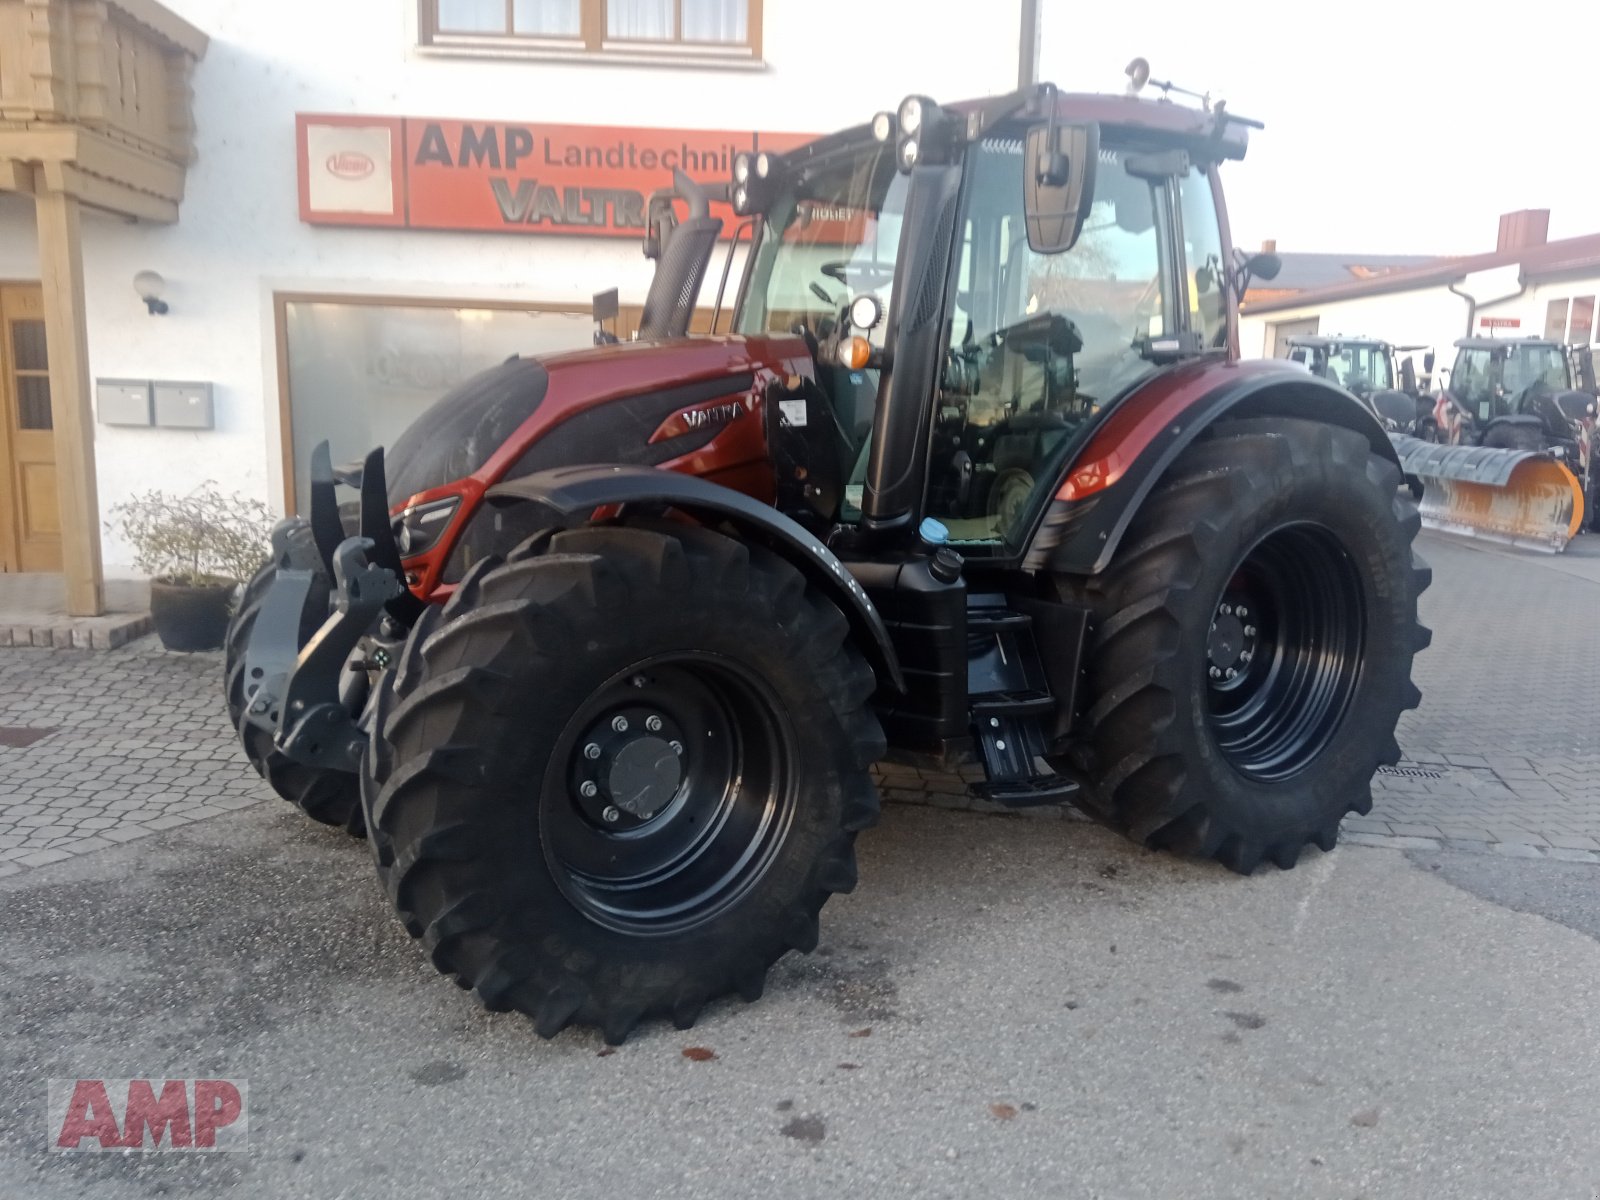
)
(1040, 342)
(1202, 245)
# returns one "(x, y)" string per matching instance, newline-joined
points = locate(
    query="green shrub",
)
(204, 538)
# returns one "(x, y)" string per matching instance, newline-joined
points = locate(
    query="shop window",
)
(1581, 321)
(1555, 320)
(714, 28)
(358, 372)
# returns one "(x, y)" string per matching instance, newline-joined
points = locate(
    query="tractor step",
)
(1010, 702)
(1029, 793)
(1028, 703)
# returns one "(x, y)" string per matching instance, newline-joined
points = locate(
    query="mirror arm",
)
(1052, 167)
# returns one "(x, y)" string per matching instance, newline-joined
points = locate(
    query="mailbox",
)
(184, 405)
(122, 401)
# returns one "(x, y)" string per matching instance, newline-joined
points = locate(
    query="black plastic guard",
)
(571, 495)
(377, 530)
(326, 528)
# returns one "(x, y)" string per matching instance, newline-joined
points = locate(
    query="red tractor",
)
(977, 474)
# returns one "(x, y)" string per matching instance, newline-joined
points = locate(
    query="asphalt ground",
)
(1005, 1007)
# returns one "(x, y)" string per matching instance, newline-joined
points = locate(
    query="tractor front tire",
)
(329, 797)
(619, 774)
(1255, 636)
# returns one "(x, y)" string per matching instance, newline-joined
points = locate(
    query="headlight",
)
(763, 165)
(418, 530)
(908, 153)
(883, 126)
(741, 168)
(911, 115)
(741, 200)
(865, 312)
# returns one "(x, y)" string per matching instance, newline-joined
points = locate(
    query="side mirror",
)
(1427, 363)
(1058, 184)
(1264, 266)
(1586, 376)
(1408, 377)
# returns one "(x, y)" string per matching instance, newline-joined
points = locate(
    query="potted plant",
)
(196, 549)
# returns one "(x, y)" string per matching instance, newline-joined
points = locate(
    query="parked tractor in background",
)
(604, 672)
(1515, 466)
(1374, 371)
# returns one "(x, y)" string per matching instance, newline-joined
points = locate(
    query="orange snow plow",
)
(1525, 498)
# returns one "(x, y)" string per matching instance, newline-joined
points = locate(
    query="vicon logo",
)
(207, 1115)
(351, 164)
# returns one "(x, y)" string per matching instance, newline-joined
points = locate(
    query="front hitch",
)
(295, 694)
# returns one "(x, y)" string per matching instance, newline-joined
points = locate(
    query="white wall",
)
(1426, 317)
(1431, 316)
(239, 238)
(1531, 306)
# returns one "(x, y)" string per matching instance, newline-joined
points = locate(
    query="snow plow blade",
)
(1523, 498)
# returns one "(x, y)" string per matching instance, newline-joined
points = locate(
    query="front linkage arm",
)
(294, 693)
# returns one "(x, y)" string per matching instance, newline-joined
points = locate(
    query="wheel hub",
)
(644, 776)
(1231, 644)
(628, 766)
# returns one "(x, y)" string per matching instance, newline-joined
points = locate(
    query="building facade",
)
(1527, 286)
(388, 195)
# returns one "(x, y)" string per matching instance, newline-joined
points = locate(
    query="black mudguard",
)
(572, 494)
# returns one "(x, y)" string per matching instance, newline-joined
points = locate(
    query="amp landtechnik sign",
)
(420, 173)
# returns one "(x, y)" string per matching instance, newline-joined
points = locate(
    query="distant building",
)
(1528, 286)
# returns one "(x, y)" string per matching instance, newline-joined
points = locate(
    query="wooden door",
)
(30, 523)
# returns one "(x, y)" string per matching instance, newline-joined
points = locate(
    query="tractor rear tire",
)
(328, 797)
(1255, 636)
(620, 773)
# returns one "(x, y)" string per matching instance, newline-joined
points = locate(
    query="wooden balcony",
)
(95, 102)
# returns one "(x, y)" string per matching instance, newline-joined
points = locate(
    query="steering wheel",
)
(871, 274)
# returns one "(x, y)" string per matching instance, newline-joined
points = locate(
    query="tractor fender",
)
(1139, 437)
(572, 494)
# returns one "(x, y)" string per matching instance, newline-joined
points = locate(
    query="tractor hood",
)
(514, 405)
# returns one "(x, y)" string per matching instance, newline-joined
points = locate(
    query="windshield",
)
(1484, 379)
(1531, 365)
(1361, 369)
(829, 237)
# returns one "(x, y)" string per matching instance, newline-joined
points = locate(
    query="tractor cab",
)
(970, 320)
(1491, 374)
(1367, 367)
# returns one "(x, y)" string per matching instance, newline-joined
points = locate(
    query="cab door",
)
(30, 519)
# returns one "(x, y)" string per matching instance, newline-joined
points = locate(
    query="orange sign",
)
(588, 180)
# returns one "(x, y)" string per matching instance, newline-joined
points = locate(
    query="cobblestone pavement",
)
(125, 743)
(137, 742)
(1502, 754)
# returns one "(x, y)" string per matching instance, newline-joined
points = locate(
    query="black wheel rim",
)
(1284, 652)
(669, 794)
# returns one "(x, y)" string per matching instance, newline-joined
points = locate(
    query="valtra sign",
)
(513, 177)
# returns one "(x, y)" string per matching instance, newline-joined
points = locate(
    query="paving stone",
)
(126, 833)
(1391, 843)
(1567, 854)
(1465, 833)
(41, 858)
(1571, 842)
(1517, 850)
(1406, 829)
(87, 845)
(1366, 825)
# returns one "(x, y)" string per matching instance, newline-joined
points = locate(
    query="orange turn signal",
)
(854, 353)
